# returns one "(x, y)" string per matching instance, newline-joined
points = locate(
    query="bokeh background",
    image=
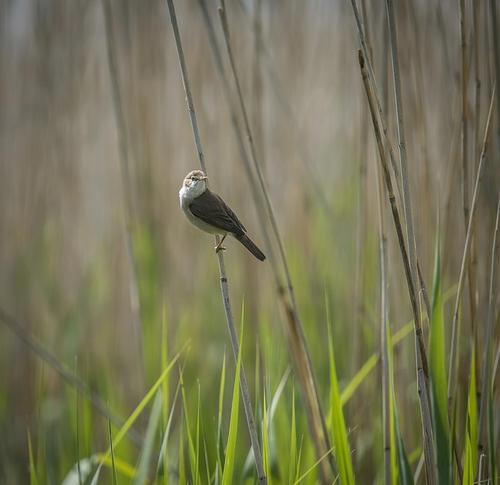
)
(65, 271)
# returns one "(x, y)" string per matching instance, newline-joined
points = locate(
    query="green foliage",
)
(400, 468)
(230, 455)
(338, 426)
(470, 452)
(438, 378)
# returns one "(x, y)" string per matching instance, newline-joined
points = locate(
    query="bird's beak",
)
(204, 178)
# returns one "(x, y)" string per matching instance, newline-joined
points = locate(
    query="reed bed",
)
(359, 143)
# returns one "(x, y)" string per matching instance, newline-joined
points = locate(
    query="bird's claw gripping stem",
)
(219, 246)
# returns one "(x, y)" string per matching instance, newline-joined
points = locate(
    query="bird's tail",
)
(250, 245)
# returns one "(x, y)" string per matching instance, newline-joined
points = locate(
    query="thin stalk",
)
(382, 120)
(496, 54)
(291, 333)
(303, 362)
(224, 285)
(69, 377)
(290, 318)
(421, 355)
(127, 186)
(226, 89)
(486, 370)
(383, 333)
(422, 387)
(465, 133)
(410, 234)
(368, 61)
(453, 356)
(476, 13)
(465, 162)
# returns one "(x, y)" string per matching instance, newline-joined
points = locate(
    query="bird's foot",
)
(219, 246)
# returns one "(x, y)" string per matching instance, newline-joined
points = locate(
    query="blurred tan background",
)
(64, 271)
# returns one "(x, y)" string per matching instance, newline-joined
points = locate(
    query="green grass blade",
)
(33, 477)
(358, 378)
(113, 466)
(135, 414)
(299, 460)
(400, 467)
(292, 462)
(165, 388)
(162, 457)
(227, 474)
(182, 465)
(470, 453)
(191, 445)
(120, 466)
(492, 463)
(144, 402)
(372, 361)
(197, 449)
(147, 449)
(338, 427)
(438, 378)
(312, 467)
(265, 439)
(219, 445)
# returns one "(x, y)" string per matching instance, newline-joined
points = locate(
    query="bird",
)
(208, 212)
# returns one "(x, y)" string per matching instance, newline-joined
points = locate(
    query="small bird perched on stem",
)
(208, 212)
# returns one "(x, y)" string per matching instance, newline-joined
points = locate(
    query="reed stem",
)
(224, 285)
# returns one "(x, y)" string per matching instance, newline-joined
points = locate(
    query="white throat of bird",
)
(191, 189)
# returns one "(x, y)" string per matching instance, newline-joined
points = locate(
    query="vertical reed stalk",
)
(496, 53)
(487, 361)
(383, 332)
(224, 285)
(368, 62)
(465, 133)
(296, 338)
(421, 364)
(453, 352)
(226, 89)
(291, 332)
(371, 79)
(127, 187)
(422, 387)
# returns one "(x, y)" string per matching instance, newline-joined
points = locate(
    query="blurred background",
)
(89, 211)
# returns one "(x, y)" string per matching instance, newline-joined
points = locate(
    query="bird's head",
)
(195, 183)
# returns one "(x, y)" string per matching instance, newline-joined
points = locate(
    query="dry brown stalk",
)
(422, 372)
(295, 331)
(486, 367)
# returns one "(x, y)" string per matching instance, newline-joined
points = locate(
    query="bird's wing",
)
(210, 208)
